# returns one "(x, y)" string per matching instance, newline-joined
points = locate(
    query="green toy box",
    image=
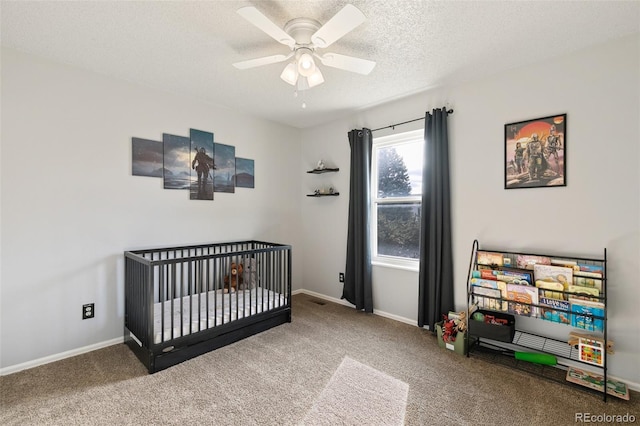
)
(459, 346)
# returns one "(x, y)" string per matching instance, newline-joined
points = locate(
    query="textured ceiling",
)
(187, 47)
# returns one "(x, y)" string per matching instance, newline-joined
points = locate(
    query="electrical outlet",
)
(341, 277)
(88, 311)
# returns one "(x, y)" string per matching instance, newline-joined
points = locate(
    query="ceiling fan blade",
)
(252, 63)
(348, 18)
(256, 17)
(347, 63)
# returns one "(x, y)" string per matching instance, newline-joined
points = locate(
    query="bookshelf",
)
(562, 294)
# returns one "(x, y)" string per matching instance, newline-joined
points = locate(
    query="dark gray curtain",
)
(435, 296)
(357, 277)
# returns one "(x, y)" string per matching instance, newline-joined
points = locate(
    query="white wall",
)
(599, 89)
(71, 207)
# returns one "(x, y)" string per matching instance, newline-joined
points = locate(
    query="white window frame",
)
(382, 142)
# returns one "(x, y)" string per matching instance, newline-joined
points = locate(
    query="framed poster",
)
(535, 152)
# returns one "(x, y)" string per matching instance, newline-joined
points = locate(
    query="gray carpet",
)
(274, 378)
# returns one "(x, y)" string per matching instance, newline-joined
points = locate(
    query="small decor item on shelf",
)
(320, 165)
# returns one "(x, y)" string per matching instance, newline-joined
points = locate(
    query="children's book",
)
(554, 310)
(594, 269)
(490, 258)
(587, 274)
(520, 298)
(526, 261)
(587, 314)
(596, 381)
(584, 293)
(550, 289)
(557, 274)
(487, 298)
(587, 282)
(507, 275)
(496, 285)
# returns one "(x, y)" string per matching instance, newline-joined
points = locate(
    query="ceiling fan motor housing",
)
(301, 29)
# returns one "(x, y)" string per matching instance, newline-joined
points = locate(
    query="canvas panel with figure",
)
(202, 165)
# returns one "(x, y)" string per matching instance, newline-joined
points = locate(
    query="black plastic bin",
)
(499, 332)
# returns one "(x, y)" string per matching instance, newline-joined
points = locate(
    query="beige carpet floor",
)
(358, 395)
(276, 377)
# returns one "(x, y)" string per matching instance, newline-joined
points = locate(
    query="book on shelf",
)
(595, 269)
(492, 284)
(490, 258)
(520, 298)
(527, 261)
(584, 293)
(587, 274)
(554, 310)
(550, 289)
(507, 275)
(587, 314)
(596, 381)
(552, 273)
(587, 282)
(565, 262)
(487, 298)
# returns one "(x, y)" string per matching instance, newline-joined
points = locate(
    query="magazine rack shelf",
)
(505, 286)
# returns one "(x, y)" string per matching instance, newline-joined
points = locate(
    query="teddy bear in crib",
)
(234, 278)
(249, 276)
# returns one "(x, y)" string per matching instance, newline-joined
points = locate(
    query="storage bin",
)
(458, 346)
(502, 333)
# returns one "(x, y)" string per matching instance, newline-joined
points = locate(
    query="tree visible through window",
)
(397, 197)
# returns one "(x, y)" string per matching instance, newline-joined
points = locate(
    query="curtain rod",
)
(393, 126)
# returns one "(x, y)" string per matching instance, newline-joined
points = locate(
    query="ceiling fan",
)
(304, 36)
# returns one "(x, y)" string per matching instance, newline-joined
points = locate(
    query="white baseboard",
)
(345, 303)
(57, 357)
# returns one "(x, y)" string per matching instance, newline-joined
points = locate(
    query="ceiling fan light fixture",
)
(303, 83)
(290, 74)
(306, 65)
(315, 79)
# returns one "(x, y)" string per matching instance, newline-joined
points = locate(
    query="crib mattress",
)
(191, 314)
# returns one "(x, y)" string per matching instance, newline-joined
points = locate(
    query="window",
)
(396, 185)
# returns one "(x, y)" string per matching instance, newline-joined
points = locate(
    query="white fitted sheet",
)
(222, 308)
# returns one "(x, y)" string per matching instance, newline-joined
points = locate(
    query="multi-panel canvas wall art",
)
(202, 165)
(195, 162)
